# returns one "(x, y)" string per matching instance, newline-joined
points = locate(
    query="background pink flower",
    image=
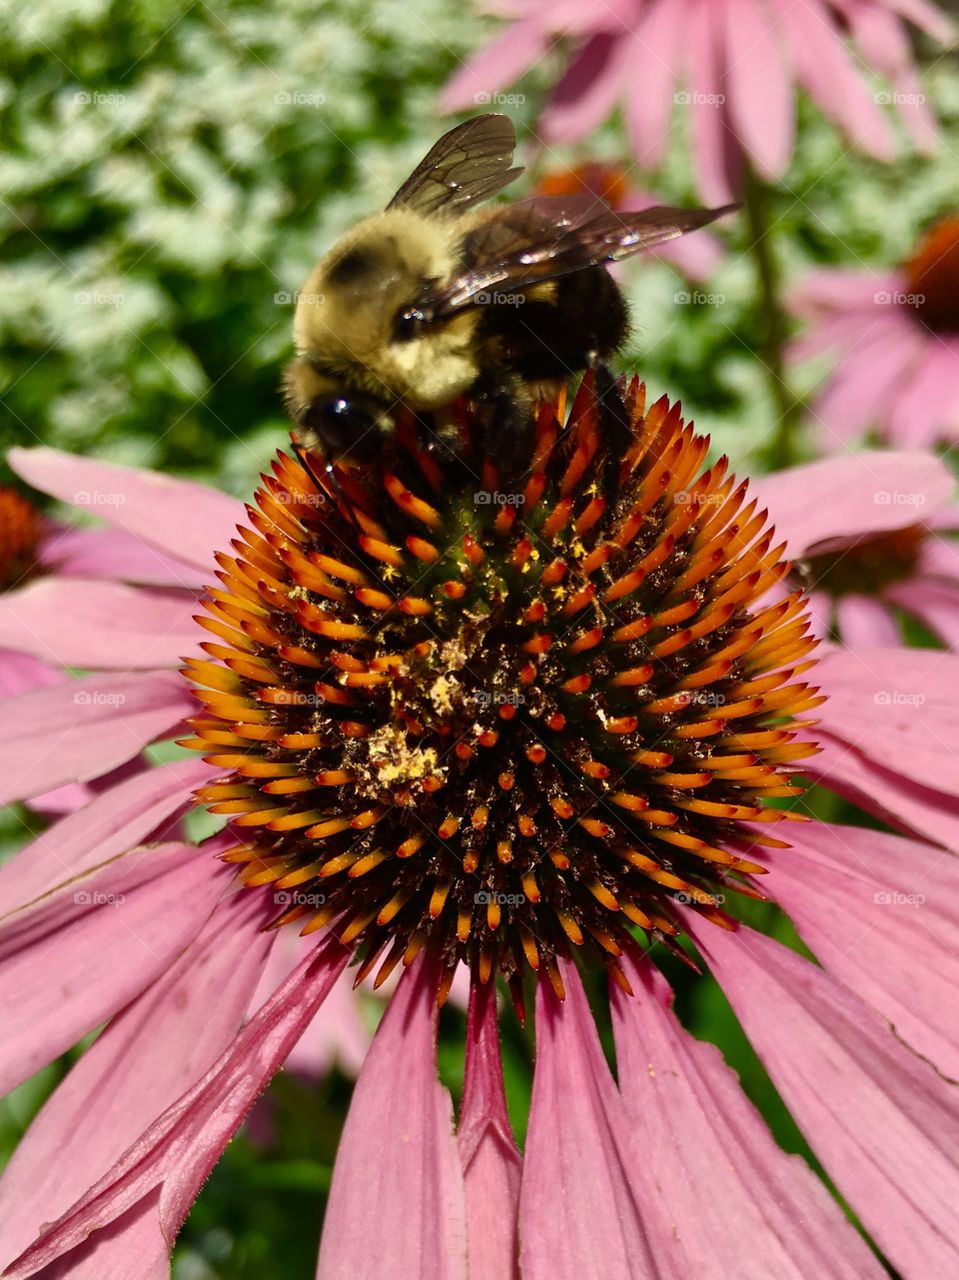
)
(870, 535)
(894, 338)
(733, 64)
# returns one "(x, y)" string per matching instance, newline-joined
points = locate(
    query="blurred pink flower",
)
(670, 1173)
(732, 64)
(895, 340)
(869, 534)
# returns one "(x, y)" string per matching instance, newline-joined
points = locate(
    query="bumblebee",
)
(433, 299)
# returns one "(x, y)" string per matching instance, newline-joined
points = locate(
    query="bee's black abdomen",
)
(585, 318)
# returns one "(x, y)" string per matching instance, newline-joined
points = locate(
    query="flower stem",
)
(783, 447)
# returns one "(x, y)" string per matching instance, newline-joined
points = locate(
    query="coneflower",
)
(504, 725)
(894, 336)
(529, 726)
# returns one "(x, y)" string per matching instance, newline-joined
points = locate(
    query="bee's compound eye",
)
(343, 424)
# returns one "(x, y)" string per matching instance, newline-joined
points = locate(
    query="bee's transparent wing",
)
(528, 244)
(470, 163)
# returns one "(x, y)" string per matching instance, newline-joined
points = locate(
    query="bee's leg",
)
(614, 426)
(508, 424)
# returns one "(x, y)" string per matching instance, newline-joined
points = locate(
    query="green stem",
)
(783, 447)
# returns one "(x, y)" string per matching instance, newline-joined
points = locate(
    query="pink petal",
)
(857, 494)
(866, 381)
(492, 1166)
(934, 603)
(116, 556)
(825, 70)
(882, 914)
(882, 1122)
(884, 45)
(504, 60)
(76, 955)
(898, 707)
(927, 407)
(76, 623)
(401, 1112)
(20, 672)
(927, 17)
(337, 1034)
(151, 1053)
(582, 1167)
(586, 93)
(865, 623)
(727, 1185)
(759, 86)
(136, 810)
(181, 517)
(654, 63)
(714, 144)
(902, 804)
(161, 1173)
(77, 730)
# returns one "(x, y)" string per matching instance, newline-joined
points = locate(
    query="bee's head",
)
(349, 315)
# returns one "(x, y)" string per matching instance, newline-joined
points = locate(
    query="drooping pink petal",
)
(20, 672)
(77, 730)
(133, 811)
(582, 1167)
(492, 1166)
(337, 1034)
(714, 144)
(504, 60)
(586, 93)
(882, 40)
(74, 622)
(185, 519)
(897, 707)
(150, 1054)
(905, 805)
(866, 379)
(730, 1189)
(865, 623)
(934, 603)
(825, 70)
(400, 1111)
(882, 914)
(117, 556)
(177, 1151)
(758, 86)
(927, 17)
(76, 955)
(858, 494)
(881, 1120)
(927, 406)
(657, 42)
